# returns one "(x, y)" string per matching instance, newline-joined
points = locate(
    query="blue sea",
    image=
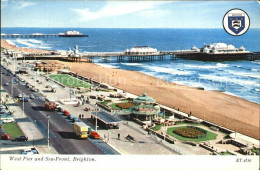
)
(239, 78)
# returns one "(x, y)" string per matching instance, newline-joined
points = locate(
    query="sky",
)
(122, 14)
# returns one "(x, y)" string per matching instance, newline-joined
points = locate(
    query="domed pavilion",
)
(145, 108)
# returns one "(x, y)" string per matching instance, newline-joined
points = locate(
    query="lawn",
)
(104, 103)
(69, 81)
(156, 127)
(225, 153)
(256, 150)
(210, 136)
(12, 129)
(114, 107)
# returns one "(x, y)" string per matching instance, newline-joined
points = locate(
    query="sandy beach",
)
(8, 46)
(223, 109)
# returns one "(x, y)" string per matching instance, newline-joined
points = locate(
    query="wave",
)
(35, 41)
(107, 65)
(218, 65)
(232, 94)
(228, 80)
(257, 89)
(258, 70)
(244, 74)
(132, 64)
(31, 43)
(256, 62)
(168, 70)
(11, 42)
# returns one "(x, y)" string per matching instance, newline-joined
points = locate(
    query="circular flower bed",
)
(190, 132)
(125, 105)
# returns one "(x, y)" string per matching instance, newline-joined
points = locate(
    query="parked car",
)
(2, 107)
(94, 135)
(21, 138)
(5, 136)
(7, 84)
(27, 152)
(74, 119)
(32, 96)
(26, 99)
(71, 117)
(20, 95)
(66, 113)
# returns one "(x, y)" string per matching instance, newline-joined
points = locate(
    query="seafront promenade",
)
(144, 143)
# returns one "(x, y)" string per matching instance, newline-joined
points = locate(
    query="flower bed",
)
(190, 132)
(125, 105)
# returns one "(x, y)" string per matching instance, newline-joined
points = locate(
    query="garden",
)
(12, 129)
(69, 81)
(191, 133)
(119, 106)
(256, 150)
(225, 153)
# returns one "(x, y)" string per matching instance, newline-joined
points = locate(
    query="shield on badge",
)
(236, 23)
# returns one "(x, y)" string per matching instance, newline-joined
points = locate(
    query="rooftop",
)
(144, 99)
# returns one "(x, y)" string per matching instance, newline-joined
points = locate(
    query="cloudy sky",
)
(119, 14)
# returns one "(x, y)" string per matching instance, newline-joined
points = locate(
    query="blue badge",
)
(236, 23)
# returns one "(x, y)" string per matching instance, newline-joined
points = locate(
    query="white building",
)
(142, 50)
(217, 48)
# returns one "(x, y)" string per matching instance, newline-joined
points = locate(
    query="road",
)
(62, 138)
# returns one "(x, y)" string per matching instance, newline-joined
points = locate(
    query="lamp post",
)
(164, 126)
(48, 117)
(96, 121)
(23, 103)
(12, 91)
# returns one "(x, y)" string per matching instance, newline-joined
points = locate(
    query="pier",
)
(28, 35)
(136, 54)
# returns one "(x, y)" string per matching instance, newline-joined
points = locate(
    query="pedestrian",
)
(118, 135)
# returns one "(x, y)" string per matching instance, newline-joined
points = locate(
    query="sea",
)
(239, 78)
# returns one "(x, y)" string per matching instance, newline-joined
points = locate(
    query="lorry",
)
(50, 104)
(81, 130)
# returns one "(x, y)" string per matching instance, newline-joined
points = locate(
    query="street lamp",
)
(23, 103)
(164, 126)
(12, 81)
(48, 117)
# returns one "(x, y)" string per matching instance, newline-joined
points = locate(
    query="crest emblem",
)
(236, 22)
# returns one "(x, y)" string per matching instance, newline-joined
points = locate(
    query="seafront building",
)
(145, 108)
(141, 50)
(218, 48)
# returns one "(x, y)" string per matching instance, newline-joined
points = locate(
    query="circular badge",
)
(236, 22)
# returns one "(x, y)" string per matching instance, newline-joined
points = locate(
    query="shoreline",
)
(214, 106)
(6, 45)
(225, 110)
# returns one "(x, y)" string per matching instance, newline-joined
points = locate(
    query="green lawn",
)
(225, 153)
(210, 136)
(114, 107)
(157, 127)
(256, 150)
(104, 103)
(69, 81)
(12, 129)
